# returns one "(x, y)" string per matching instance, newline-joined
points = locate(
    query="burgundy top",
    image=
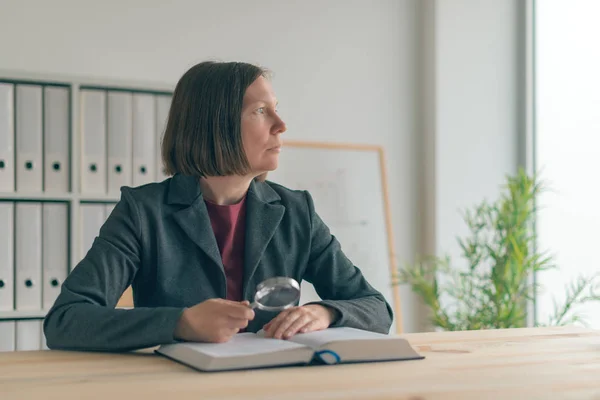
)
(228, 223)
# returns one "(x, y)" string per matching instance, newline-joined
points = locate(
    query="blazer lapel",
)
(262, 220)
(194, 219)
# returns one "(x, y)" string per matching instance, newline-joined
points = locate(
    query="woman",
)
(195, 246)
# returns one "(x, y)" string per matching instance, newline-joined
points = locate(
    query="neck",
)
(225, 190)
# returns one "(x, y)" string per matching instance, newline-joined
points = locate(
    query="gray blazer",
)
(159, 240)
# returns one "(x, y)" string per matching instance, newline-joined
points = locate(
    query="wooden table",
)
(544, 363)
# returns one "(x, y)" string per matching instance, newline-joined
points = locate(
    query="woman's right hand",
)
(213, 320)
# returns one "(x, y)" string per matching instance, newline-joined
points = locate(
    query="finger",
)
(226, 334)
(274, 323)
(239, 311)
(228, 303)
(237, 323)
(299, 323)
(285, 324)
(311, 326)
(267, 328)
(280, 317)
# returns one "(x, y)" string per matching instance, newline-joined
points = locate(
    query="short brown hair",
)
(203, 135)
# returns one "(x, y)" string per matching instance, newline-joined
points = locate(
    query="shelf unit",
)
(74, 197)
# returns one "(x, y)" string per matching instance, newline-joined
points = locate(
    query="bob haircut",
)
(203, 135)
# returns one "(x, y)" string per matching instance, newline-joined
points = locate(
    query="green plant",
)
(493, 289)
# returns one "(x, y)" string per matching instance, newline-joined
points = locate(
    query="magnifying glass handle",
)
(253, 305)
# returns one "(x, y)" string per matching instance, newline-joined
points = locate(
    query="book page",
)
(244, 344)
(320, 338)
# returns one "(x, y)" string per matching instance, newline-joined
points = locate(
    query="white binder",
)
(107, 210)
(55, 247)
(43, 344)
(28, 257)
(144, 138)
(7, 336)
(7, 138)
(56, 139)
(119, 140)
(93, 141)
(6, 257)
(163, 104)
(29, 138)
(92, 219)
(28, 335)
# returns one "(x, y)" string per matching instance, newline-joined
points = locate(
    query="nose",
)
(279, 126)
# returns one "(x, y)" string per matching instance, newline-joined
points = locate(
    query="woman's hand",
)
(213, 320)
(312, 317)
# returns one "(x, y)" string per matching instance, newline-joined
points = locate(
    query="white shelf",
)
(87, 81)
(40, 314)
(40, 196)
(99, 198)
(49, 196)
(23, 314)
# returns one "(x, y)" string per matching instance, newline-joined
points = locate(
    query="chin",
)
(265, 164)
(264, 171)
(270, 165)
(270, 168)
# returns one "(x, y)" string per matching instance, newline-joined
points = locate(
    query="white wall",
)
(472, 93)
(344, 69)
(477, 116)
(434, 82)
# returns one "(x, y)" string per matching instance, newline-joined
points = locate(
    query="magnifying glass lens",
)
(279, 297)
(276, 294)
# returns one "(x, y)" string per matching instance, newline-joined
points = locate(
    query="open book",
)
(253, 350)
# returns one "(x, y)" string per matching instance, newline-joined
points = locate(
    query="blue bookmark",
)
(328, 356)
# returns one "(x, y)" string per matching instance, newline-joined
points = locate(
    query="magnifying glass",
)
(276, 294)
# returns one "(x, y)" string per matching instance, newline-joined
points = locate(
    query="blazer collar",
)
(185, 190)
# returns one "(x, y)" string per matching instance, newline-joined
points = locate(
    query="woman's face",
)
(261, 127)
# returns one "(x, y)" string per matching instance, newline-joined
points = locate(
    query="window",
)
(567, 150)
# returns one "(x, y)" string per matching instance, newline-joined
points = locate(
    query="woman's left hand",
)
(312, 317)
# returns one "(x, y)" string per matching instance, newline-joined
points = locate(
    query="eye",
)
(260, 110)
